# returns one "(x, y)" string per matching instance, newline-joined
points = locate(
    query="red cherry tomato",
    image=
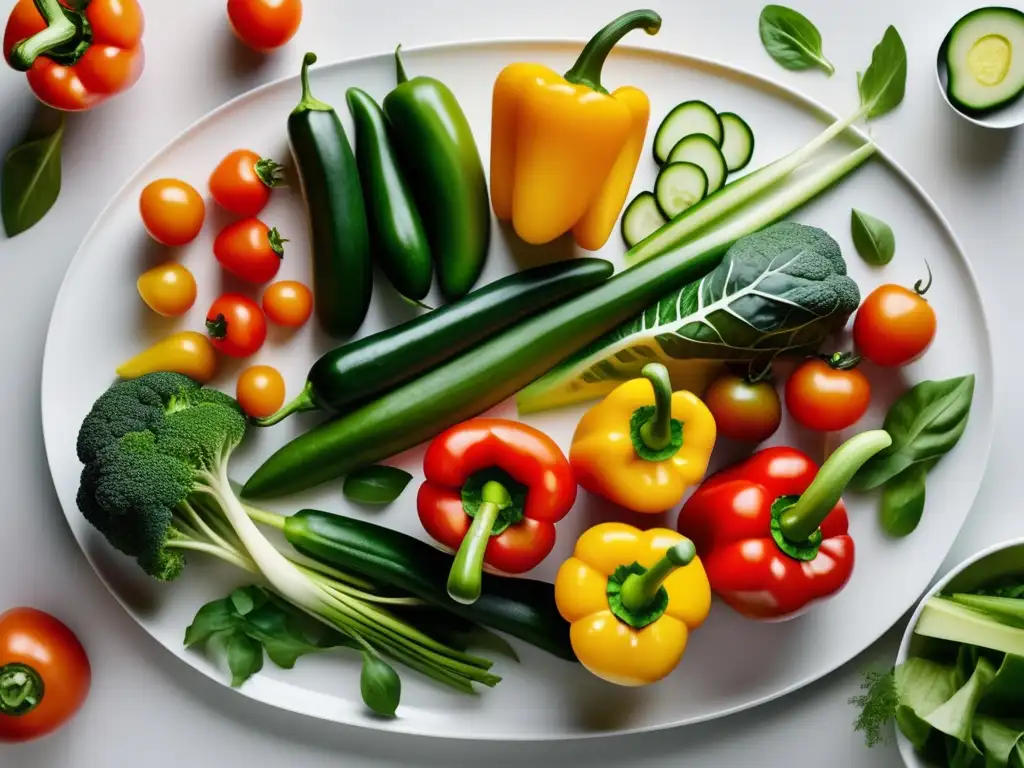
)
(44, 674)
(172, 211)
(744, 410)
(249, 249)
(895, 326)
(236, 325)
(242, 182)
(265, 24)
(828, 396)
(288, 303)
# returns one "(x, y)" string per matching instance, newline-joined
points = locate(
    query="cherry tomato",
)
(895, 326)
(242, 182)
(236, 325)
(260, 391)
(249, 249)
(172, 211)
(744, 410)
(288, 303)
(169, 289)
(44, 674)
(265, 24)
(828, 395)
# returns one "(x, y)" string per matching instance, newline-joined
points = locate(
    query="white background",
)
(146, 707)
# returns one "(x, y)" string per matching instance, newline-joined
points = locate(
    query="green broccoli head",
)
(146, 444)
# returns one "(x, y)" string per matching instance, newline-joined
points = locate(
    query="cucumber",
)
(738, 144)
(678, 186)
(641, 219)
(702, 150)
(686, 119)
(984, 54)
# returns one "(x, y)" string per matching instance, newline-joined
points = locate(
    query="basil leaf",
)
(903, 501)
(873, 238)
(211, 618)
(242, 601)
(792, 39)
(376, 485)
(380, 685)
(245, 658)
(30, 181)
(883, 84)
(925, 423)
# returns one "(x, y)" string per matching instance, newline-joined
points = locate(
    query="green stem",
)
(215, 551)
(308, 103)
(639, 590)
(657, 431)
(920, 287)
(301, 404)
(67, 36)
(805, 517)
(466, 575)
(21, 689)
(587, 69)
(268, 519)
(399, 66)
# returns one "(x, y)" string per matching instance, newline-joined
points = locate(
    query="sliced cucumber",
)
(984, 53)
(701, 149)
(687, 119)
(678, 186)
(738, 141)
(641, 219)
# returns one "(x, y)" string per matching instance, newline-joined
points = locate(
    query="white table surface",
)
(146, 708)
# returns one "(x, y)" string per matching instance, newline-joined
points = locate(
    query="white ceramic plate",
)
(732, 663)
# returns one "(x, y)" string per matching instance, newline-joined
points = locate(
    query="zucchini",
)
(738, 144)
(641, 219)
(678, 186)
(686, 119)
(702, 150)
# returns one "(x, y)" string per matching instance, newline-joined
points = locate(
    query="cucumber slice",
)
(678, 186)
(686, 119)
(738, 141)
(983, 57)
(702, 150)
(641, 219)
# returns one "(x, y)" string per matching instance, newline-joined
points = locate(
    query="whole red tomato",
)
(44, 674)
(236, 325)
(828, 395)
(895, 325)
(744, 410)
(249, 249)
(241, 183)
(265, 24)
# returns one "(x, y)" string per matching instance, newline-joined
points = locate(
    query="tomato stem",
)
(21, 689)
(842, 361)
(920, 289)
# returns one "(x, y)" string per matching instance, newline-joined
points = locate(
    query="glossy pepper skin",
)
(615, 453)
(76, 59)
(773, 530)
(459, 466)
(563, 149)
(630, 625)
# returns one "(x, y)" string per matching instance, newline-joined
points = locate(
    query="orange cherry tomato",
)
(169, 289)
(265, 24)
(744, 410)
(44, 674)
(172, 211)
(828, 395)
(288, 303)
(895, 326)
(260, 391)
(242, 182)
(236, 325)
(249, 249)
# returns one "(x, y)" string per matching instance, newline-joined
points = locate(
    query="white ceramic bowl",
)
(999, 560)
(1009, 116)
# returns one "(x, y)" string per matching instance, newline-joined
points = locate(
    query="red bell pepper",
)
(494, 490)
(772, 531)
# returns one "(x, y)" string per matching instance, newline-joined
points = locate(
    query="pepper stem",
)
(308, 103)
(639, 590)
(399, 66)
(63, 27)
(466, 576)
(656, 432)
(304, 402)
(805, 517)
(21, 689)
(587, 69)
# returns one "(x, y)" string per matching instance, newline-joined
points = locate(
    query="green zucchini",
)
(686, 119)
(678, 186)
(339, 233)
(641, 219)
(523, 608)
(702, 151)
(738, 144)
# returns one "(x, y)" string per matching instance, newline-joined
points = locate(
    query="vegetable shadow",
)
(240, 61)
(526, 255)
(976, 149)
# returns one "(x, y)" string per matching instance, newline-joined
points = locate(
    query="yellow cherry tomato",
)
(172, 211)
(169, 289)
(260, 391)
(188, 353)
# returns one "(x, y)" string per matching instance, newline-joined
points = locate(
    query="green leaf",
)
(792, 39)
(873, 238)
(884, 82)
(245, 658)
(956, 716)
(922, 686)
(903, 501)
(242, 601)
(213, 617)
(998, 740)
(380, 685)
(30, 181)
(376, 485)
(1005, 696)
(925, 424)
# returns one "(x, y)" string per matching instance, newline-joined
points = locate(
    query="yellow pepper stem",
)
(587, 69)
(656, 432)
(640, 590)
(466, 575)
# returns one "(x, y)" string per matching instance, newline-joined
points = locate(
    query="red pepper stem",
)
(466, 575)
(656, 432)
(805, 517)
(639, 590)
(21, 689)
(63, 26)
(587, 69)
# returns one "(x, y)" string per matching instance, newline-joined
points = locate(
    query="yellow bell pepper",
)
(632, 598)
(564, 150)
(643, 446)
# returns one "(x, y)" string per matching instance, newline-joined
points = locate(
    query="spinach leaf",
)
(245, 657)
(380, 685)
(903, 501)
(883, 84)
(925, 424)
(30, 181)
(873, 238)
(376, 485)
(792, 39)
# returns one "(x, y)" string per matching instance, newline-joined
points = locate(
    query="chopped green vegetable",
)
(945, 620)
(1009, 610)
(792, 39)
(378, 484)
(873, 238)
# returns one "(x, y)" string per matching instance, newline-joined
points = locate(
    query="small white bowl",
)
(998, 561)
(1009, 116)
